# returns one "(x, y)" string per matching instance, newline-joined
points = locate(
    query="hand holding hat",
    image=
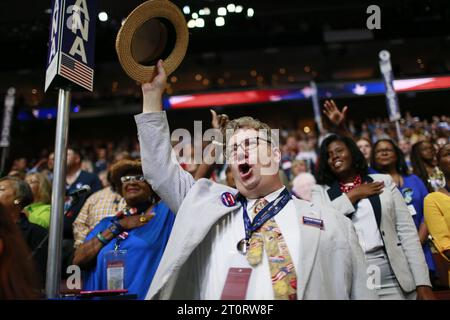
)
(152, 91)
(154, 30)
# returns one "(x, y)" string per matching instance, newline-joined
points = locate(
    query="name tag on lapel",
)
(313, 222)
(412, 210)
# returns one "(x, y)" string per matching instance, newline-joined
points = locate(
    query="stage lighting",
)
(191, 24)
(103, 16)
(231, 7)
(199, 23)
(222, 11)
(220, 21)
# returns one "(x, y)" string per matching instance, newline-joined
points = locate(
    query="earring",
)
(16, 202)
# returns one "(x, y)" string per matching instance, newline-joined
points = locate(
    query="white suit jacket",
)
(397, 228)
(332, 264)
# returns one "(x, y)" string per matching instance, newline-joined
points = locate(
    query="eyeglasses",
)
(246, 145)
(125, 179)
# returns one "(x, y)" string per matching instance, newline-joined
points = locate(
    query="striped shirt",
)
(101, 204)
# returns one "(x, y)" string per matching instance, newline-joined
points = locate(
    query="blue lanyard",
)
(268, 212)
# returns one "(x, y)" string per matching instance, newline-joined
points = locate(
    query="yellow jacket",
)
(437, 218)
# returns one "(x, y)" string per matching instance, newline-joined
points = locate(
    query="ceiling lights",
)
(196, 21)
(103, 16)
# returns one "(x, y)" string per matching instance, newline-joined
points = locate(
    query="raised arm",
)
(159, 164)
(337, 118)
(207, 167)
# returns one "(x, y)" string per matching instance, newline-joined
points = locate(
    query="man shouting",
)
(256, 242)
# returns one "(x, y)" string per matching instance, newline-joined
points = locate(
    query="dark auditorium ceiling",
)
(293, 40)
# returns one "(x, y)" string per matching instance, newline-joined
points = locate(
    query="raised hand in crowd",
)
(333, 113)
(40, 164)
(337, 118)
(365, 190)
(218, 120)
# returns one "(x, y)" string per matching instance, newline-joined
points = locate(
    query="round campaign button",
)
(228, 199)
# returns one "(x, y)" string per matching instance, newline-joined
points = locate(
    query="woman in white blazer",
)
(383, 223)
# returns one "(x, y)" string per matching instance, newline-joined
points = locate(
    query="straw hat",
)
(154, 30)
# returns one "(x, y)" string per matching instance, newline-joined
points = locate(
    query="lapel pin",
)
(228, 199)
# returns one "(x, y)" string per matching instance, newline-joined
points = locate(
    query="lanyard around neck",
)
(268, 212)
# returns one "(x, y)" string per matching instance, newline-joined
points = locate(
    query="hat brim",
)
(143, 13)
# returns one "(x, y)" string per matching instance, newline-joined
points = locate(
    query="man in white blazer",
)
(202, 248)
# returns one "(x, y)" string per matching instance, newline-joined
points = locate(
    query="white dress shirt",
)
(366, 226)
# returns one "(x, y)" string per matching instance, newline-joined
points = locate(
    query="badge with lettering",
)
(115, 269)
(313, 222)
(228, 199)
(236, 284)
(412, 210)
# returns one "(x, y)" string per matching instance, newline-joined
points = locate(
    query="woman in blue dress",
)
(388, 158)
(124, 251)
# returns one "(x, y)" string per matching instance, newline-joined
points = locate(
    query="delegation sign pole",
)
(70, 64)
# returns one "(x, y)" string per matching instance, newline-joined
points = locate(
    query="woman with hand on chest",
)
(383, 223)
(123, 252)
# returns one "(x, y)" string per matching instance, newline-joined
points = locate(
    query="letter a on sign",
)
(374, 20)
(78, 48)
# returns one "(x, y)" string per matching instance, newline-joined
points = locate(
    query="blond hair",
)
(45, 188)
(249, 123)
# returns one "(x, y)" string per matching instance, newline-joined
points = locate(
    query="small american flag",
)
(76, 71)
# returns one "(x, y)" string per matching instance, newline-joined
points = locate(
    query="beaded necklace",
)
(346, 187)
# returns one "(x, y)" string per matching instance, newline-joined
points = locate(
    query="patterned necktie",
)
(282, 271)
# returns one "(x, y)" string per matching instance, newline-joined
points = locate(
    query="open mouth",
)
(245, 171)
(337, 164)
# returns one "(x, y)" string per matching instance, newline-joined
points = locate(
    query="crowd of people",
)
(170, 225)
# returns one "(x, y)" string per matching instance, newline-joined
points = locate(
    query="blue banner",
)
(71, 51)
